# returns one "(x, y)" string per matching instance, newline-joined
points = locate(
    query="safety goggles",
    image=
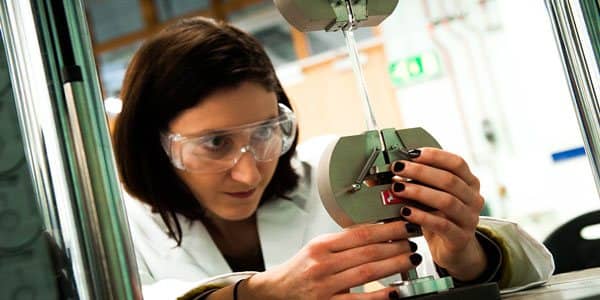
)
(222, 149)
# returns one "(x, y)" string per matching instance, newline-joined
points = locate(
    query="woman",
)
(206, 145)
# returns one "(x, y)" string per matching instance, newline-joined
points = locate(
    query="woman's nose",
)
(246, 170)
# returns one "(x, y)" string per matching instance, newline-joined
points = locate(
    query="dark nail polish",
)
(414, 153)
(398, 187)
(405, 211)
(412, 228)
(416, 259)
(413, 246)
(398, 166)
(394, 295)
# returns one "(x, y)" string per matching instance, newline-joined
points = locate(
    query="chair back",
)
(570, 249)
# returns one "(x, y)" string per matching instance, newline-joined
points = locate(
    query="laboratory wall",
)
(326, 97)
(483, 76)
(487, 81)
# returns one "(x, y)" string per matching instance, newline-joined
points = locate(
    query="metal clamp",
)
(348, 14)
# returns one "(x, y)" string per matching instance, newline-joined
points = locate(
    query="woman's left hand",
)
(446, 184)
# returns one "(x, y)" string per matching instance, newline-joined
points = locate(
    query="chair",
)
(570, 250)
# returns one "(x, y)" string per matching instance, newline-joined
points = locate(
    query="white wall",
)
(504, 66)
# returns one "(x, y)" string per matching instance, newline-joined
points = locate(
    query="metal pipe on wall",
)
(577, 34)
(452, 76)
(489, 76)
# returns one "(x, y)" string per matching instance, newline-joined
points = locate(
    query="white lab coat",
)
(284, 227)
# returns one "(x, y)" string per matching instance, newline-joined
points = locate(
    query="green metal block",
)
(351, 198)
(331, 15)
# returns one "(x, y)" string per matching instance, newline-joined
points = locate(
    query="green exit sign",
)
(417, 68)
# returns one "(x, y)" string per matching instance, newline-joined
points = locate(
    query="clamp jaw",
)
(354, 174)
(334, 15)
(354, 180)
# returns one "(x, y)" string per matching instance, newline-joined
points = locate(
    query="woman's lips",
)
(242, 194)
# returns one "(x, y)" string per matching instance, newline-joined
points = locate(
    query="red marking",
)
(389, 199)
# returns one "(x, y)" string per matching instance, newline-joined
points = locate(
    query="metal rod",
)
(106, 207)
(410, 275)
(65, 130)
(365, 170)
(573, 37)
(41, 135)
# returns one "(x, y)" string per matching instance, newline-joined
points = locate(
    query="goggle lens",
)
(221, 150)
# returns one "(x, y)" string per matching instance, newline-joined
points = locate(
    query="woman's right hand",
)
(329, 265)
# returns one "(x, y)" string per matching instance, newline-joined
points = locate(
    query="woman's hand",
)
(329, 265)
(447, 185)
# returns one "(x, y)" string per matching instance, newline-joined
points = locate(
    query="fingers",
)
(436, 223)
(444, 160)
(382, 294)
(374, 270)
(357, 256)
(452, 207)
(364, 235)
(437, 179)
(442, 170)
(333, 263)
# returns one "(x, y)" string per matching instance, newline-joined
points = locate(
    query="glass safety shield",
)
(63, 230)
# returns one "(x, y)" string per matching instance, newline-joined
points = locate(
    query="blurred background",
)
(483, 76)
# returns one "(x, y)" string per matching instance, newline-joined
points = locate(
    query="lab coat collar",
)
(283, 223)
(281, 228)
(278, 220)
(198, 244)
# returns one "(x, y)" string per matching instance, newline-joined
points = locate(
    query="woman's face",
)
(234, 194)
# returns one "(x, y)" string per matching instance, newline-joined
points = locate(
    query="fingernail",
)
(398, 187)
(413, 246)
(414, 153)
(398, 166)
(412, 228)
(405, 211)
(416, 259)
(394, 295)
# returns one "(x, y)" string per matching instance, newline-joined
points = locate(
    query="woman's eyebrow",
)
(220, 131)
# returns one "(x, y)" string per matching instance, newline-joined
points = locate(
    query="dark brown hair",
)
(171, 72)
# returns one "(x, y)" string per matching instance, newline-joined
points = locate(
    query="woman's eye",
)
(214, 143)
(263, 133)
